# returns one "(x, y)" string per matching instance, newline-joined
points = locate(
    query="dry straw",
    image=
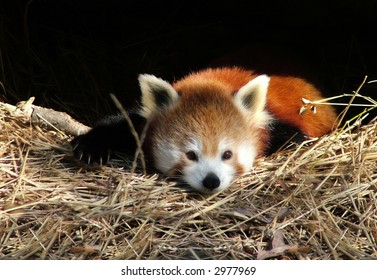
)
(316, 200)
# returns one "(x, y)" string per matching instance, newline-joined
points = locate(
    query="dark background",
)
(71, 54)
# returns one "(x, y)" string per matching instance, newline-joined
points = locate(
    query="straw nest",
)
(316, 200)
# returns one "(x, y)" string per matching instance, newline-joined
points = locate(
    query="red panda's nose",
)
(211, 181)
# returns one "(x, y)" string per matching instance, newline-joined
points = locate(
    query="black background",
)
(71, 54)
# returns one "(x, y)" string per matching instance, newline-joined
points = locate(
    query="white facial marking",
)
(246, 155)
(195, 146)
(196, 171)
(166, 156)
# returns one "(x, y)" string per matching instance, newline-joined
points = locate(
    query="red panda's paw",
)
(111, 134)
(87, 149)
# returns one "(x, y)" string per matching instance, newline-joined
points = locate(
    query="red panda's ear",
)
(156, 94)
(251, 99)
(253, 95)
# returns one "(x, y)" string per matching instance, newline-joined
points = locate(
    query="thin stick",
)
(139, 143)
(343, 114)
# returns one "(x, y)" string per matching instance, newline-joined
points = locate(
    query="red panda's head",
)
(203, 132)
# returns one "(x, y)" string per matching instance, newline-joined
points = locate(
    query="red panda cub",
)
(209, 127)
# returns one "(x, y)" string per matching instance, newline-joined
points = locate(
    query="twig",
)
(139, 140)
(45, 117)
(352, 99)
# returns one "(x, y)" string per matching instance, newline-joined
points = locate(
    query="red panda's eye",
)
(191, 155)
(227, 155)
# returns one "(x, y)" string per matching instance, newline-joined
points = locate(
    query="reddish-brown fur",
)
(214, 113)
(198, 117)
(284, 101)
(283, 98)
(230, 79)
(219, 82)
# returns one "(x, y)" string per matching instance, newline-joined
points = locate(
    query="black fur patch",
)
(282, 134)
(111, 134)
(161, 96)
(247, 100)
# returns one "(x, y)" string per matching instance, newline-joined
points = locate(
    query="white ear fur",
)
(156, 94)
(252, 99)
(253, 95)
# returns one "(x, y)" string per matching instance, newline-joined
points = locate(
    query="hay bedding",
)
(313, 201)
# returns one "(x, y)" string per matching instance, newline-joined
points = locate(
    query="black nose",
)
(211, 181)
